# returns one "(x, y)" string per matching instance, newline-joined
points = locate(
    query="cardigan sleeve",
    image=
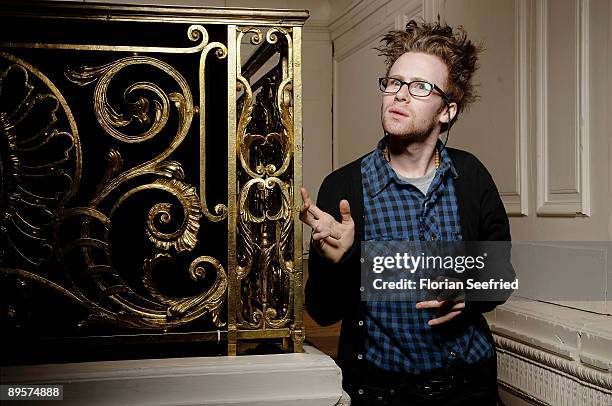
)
(329, 284)
(493, 226)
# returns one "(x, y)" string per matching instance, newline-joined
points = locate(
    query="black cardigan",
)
(332, 290)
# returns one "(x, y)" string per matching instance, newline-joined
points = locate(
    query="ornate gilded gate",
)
(149, 162)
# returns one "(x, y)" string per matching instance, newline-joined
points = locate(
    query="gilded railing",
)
(149, 158)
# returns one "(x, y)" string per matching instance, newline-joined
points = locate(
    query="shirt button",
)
(453, 354)
(362, 289)
(360, 323)
(359, 356)
(433, 237)
(360, 391)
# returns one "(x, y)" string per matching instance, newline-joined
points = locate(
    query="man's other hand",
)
(447, 310)
(332, 239)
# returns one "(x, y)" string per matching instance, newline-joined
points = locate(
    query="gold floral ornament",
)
(185, 238)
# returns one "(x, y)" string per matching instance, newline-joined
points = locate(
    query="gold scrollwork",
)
(146, 312)
(137, 311)
(187, 309)
(41, 167)
(283, 104)
(136, 115)
(220, 209)
(265, 225)
(185, 237)
(108, 117)
(134, 310)
(271, 262)
(194, 33)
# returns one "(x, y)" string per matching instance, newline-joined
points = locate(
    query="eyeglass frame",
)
(444, 96)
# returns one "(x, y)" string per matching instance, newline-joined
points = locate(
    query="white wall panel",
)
(496, 128)
(561, 104)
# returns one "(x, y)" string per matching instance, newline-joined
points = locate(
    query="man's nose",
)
(403, 94)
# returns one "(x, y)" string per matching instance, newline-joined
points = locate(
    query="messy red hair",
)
(454, 48)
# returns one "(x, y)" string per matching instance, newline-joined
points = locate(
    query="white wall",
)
(356, 31)
(317, 85)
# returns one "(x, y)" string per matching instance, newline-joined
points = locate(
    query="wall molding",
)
(522, 394)
(586, 376)
(516, 202)
(431, 10)
(544, 378)
(364, 21)
(316, 31)
(572, 201)
(555, 354)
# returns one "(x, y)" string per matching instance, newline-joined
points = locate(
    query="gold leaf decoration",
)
(185, 237)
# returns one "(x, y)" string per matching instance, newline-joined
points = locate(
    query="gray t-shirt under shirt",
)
(422, 183)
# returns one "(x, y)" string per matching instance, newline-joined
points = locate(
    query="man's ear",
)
(449, 108)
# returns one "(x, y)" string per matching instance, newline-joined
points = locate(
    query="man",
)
(411, 187)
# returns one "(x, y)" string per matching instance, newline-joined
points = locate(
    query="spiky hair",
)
(452, 46)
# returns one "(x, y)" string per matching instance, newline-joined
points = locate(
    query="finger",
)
(308, 219)
(332, 241)
(305, 207)
(315, 211)
(304, 213)
(320, 235)
(345, 211)
(458, 306)
(305, 196)
(444, 318)
(308, 205)
(430, 304)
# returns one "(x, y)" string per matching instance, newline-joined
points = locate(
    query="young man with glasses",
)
(411, 187)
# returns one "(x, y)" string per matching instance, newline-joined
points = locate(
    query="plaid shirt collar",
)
(379, 172)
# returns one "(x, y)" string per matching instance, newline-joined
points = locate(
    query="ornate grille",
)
(149, 161)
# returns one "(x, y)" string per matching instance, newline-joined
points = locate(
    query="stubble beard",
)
(411, 134)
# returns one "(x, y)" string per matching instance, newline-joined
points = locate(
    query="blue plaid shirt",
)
(398, 337)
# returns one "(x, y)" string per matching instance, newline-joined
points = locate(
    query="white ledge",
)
(309, 378)
(569, 333)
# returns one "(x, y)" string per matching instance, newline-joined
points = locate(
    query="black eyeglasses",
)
(417, 88)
